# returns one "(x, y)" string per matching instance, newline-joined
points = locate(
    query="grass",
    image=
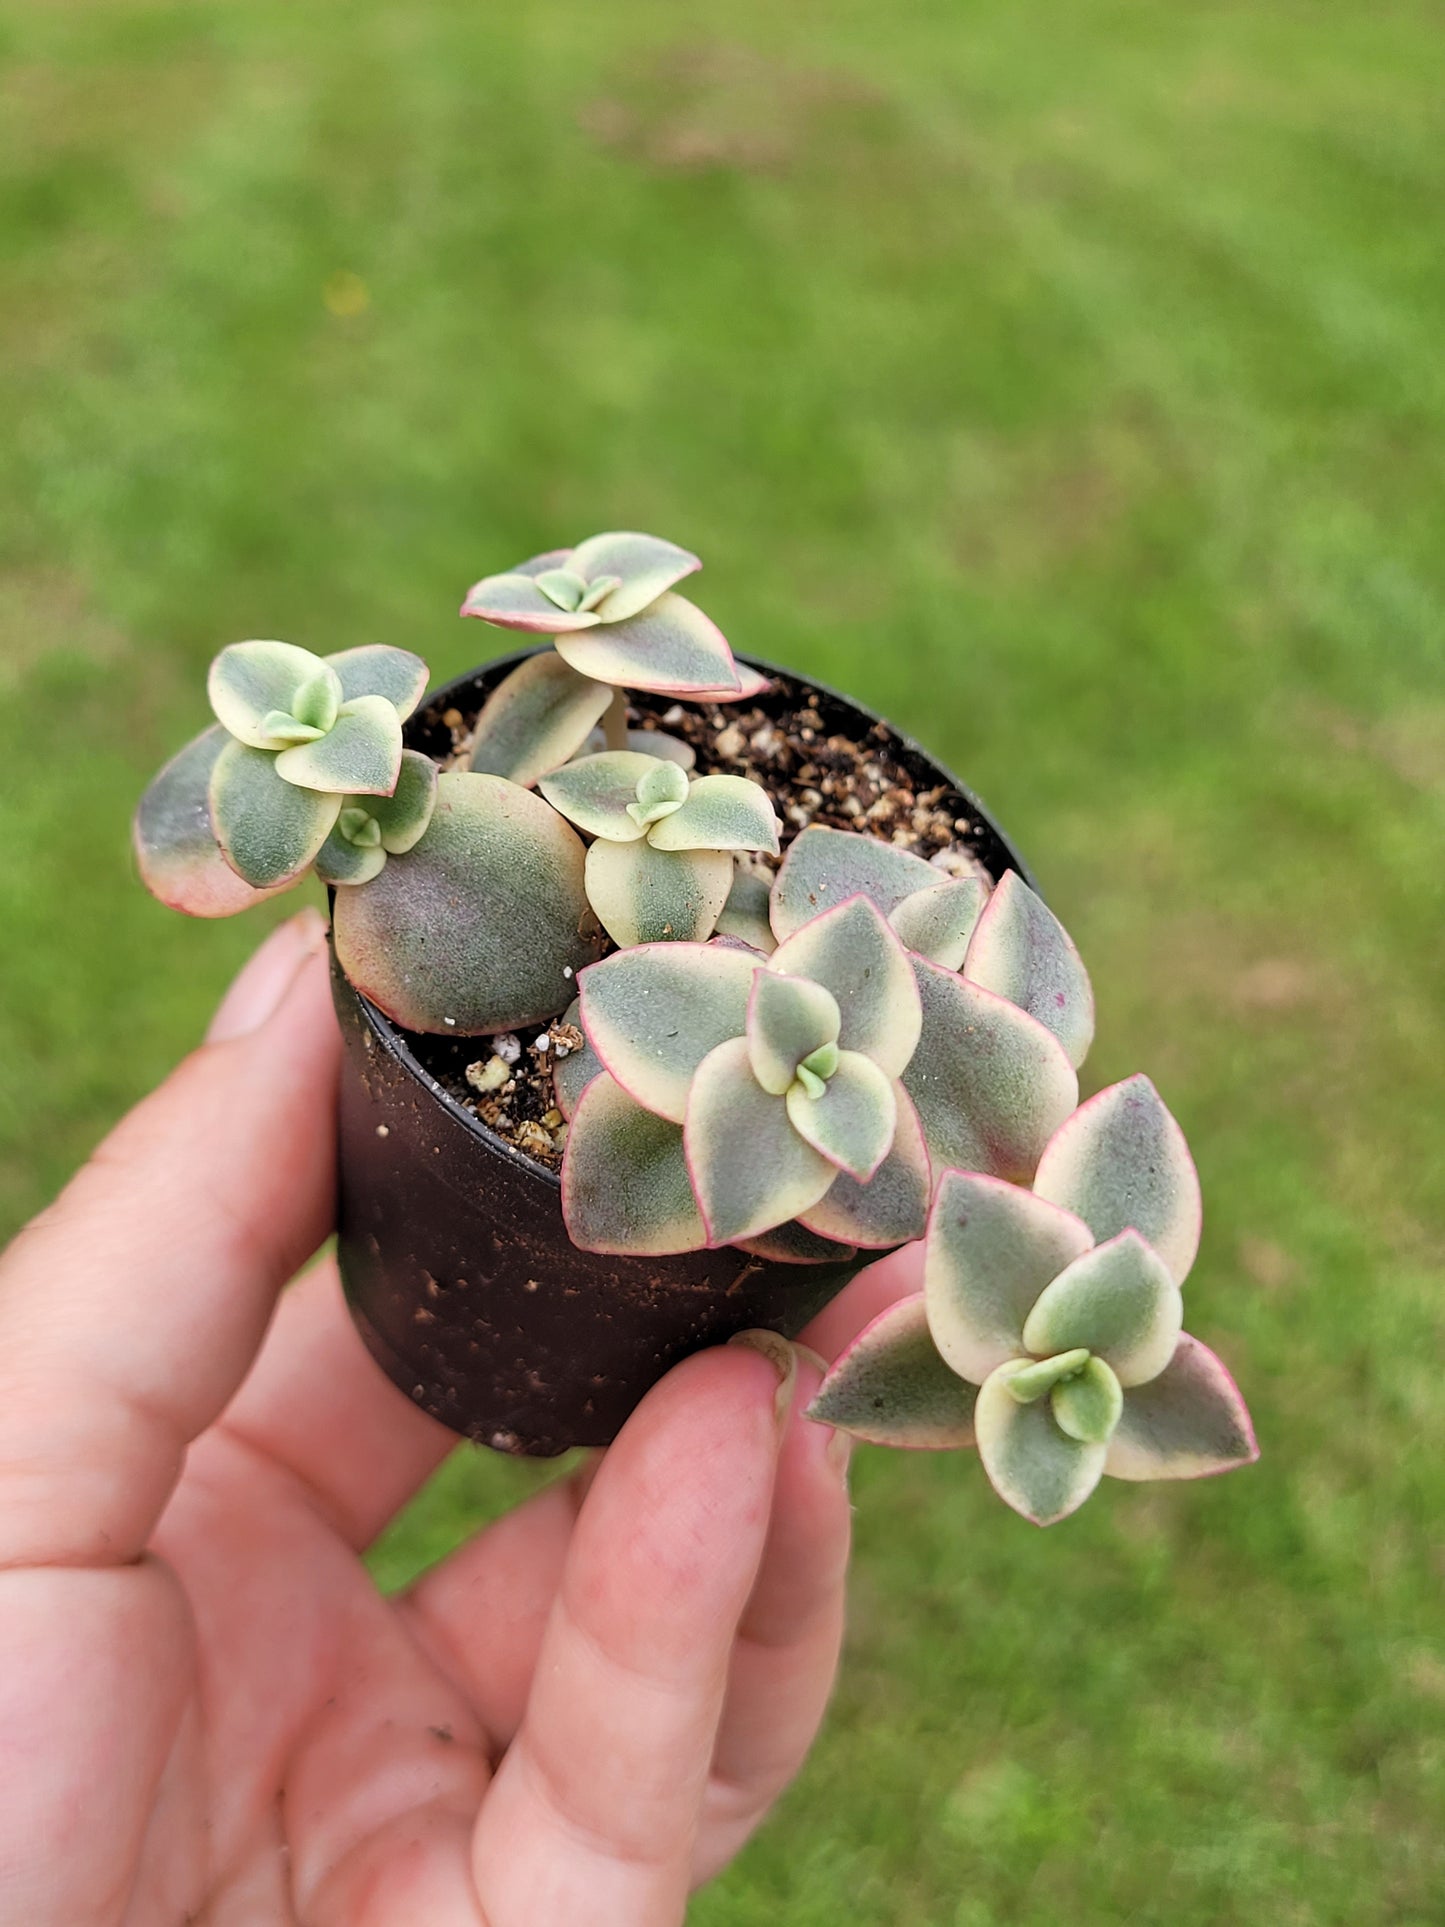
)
(1064, 380)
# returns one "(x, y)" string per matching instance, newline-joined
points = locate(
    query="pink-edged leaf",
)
(892, 1207)
(890, 1387)
(991, 1084)
(793, 1244)
(645, 564)
(751, 684)
(360, 755)
(788, 1019)
(938, 922)
(625, 1186)
(514, 601)
(269, 831)
(745, 914)
(480, 927)
(1022, 951)
(652, 1015)
(642, 895)
(342, 864)
(595, 791)
(991, 1250)
(1032, 1463)
(573, 1070)
(1121, 1161)
(376, 669)
(250, 681)
(750, 1169)
(852, 1120)
(535, 719)
(852, 951)
(1118, 1301)
(1187, 1423)
(824, 868)
(671, 649)
(720, 813)
(403, 816)
(179, 859)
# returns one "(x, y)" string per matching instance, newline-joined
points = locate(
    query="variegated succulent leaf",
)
(890, 1386)
(274, 696)
(607, 578)
(369, 829)
(745, 914)
(938, 921)
(825, 867)
(177, 852)
(1020, 950)
(536, 719)
(853, 952)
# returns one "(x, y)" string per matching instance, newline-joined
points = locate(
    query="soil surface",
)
(803, 747)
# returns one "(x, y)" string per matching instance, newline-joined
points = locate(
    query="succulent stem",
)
(614, 722)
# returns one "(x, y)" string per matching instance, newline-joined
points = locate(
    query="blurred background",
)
(1063, 380)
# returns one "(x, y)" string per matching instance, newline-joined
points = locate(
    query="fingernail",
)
(839, 1454)
(783, 1359)
(264, 981)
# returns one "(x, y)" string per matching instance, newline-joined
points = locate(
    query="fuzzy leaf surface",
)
(853, 952)
(481, 921)
(852, 1122)
(992, 1248)
(342, 863)
(788, 1018)
(745, 914)
(595, 791)
(179, 859)
(643, 895)
(535, 718)
(1118, 1300)
(654, 1013)
(720, 813)
(625, 1185)
(573, 1073)
(1088, 1405)
(892, 1207)
(647, 567)
(513, 601)
(403, 816)
(890, 1387)
(376, 669)
(794, 1244)
(938, 922)
(360, 755)
(1121, 1160)
(1032, 1464)
(269, 831)
(824, 867)
(1022, 951)
(671, 648)
(991, 1084)
(750, 1169)
(250, 680)
(1187, 1423)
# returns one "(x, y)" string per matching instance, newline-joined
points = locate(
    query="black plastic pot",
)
(459, 1272)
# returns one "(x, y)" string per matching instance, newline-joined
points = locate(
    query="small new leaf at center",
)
(1031, 1379)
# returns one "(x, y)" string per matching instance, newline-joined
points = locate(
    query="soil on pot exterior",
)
(802, 746)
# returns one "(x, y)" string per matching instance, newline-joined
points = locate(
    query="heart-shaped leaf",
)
(342, 863)
(250, 681)
(1021, 951)
(719, 813)
(513, 601)
(269, 831)
(671, 648)
(179, 859)
(653, 1014)
(788, 1018)
(403, 816)
(573, 1071)
(1032, 1464)
(645, 566)
(938, 922)
(851, 1120)
(376, 669)
(359, 756)
(625, 1185)
(1121, 1160)
(891, 1208)
(824, 868)
(596, 793)
(1087, 1406)
(1187, 1423)
(745, 914)
(890, 1387)
(535, 718)
(750, 1169)
(853, 952)
(1120, 1302)
(642, 895)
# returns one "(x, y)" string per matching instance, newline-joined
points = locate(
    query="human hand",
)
(207, 1710)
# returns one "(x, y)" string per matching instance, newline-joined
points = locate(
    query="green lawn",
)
(1068, 382)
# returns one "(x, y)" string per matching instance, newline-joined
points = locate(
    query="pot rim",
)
(391, 1038)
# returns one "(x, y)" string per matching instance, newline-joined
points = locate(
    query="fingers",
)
(130, 1311)
(786, 1654)
(594, 1811)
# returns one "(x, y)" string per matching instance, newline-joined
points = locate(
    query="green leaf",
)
(249, 680)
(824, 867)
(750, 1169)
(341, 862)
(661, 792)
(745, 914)
(788, 1018)
(1021, 951)
(376, 669)
(720, 813)
(625, 1186)
(403, 816)
(991, 1250)
(1120, 1301)
(573, 1073)
(537, 717)
(562, 587)
(653, 1014)
(1088, 1405)
(179, 859)
(269, 831)
(892, 1207)
(597, 792)
(991, 1084)
(359, 826)
(642, 895)
(670, 648)
(480, 928)
(852, 1122)
(645, 566)
(1029, 1381)
(282, 730)
(317, 703)
(791, 1244)
(359, 756)
(1032, 1464)
(1120, 1161)
(515, 602)
(852, 951)
(937, 922)
(890, 1387)
(1187, 1423)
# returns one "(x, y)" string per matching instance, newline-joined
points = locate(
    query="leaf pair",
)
(1049, 1328)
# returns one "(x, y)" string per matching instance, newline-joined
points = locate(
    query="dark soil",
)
(802, 746)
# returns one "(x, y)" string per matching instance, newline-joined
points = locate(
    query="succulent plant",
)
(1049, 1329)
(660, 866)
